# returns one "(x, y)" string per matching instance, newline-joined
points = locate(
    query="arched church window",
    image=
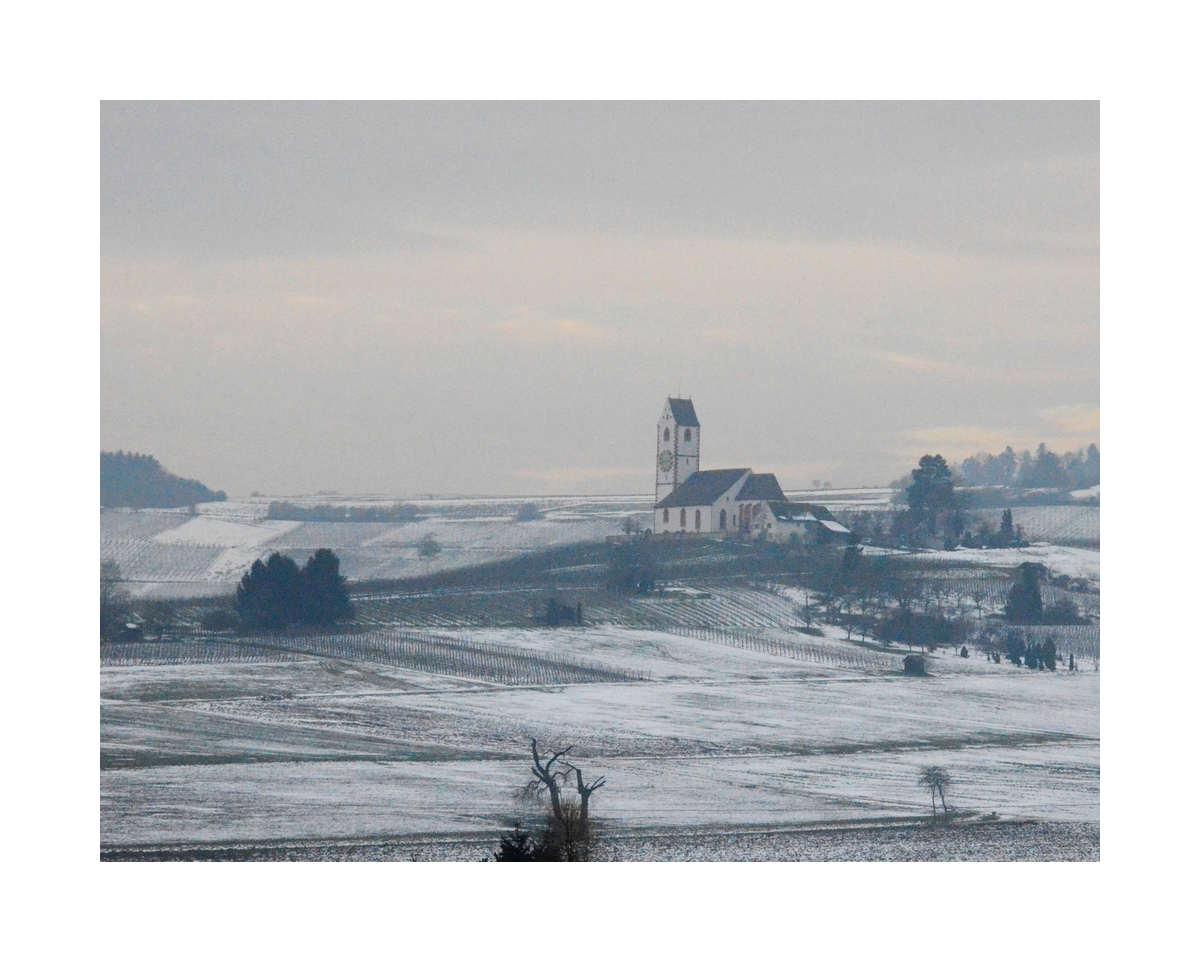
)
(666, 515)
(687, 434)
(697, 519)
(682, 518)
(722, 519)
(666, 434)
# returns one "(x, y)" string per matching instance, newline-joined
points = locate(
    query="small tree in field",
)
(936, 779)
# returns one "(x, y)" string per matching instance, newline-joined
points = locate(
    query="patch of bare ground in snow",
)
(979, 841)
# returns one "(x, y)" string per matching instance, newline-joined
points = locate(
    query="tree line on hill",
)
(932, 511)
(896, 600)
(1074, 470)
(129, 480)
(389, 514)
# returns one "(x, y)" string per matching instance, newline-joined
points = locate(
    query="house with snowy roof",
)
(810, 522)
(725, 500)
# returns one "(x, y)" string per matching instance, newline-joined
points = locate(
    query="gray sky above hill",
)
(496, 298)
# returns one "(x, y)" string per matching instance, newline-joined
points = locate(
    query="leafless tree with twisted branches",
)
(568, 819)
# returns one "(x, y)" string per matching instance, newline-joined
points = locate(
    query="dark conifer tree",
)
(323, 595)
(931, 491)
(269, 594)
(1024, 605)
(1005, 537)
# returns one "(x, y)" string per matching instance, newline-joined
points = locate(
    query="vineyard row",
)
(768, 645)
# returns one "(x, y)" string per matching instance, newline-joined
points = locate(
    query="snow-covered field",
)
(165, 553)
(708, 711)
(170, 553)
(1061, 524)
(716, 735)
(1058, 559)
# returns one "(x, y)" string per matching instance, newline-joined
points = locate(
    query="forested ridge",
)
(130, 480)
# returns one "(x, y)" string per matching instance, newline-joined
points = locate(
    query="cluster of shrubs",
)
(632, 567)
(557, 613)
(1031, 654)
(528, 512)
(521, 846)
(922, 631)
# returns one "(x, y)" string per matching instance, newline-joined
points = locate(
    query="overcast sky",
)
(497, 298)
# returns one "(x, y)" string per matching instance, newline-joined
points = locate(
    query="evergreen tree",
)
(278, 594)
(1024, 605)
(322, 592)
(931, 491)
(1005, 537)
(269, 594)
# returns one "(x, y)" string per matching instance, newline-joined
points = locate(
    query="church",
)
(729, 501)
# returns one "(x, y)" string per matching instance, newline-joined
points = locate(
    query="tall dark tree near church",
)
(931, 491)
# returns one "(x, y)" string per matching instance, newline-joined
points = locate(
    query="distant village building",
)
(726, 500)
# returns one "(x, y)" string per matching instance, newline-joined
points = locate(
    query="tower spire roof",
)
(683, 412)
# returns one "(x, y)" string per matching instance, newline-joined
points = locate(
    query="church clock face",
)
(665, 460)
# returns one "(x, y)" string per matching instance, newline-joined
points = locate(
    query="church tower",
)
(678, 446)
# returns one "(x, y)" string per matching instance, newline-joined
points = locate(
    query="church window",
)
(722, 519)
(666, 515)
(682, 518)
(666, 434)
(697, 519)
(687, 434)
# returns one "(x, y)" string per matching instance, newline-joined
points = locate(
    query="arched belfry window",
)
(666, 434)
(687, 434)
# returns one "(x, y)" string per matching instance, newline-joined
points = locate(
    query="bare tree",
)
(937, 780)
(585, 792)
(113, 600)
(545, 777)
(568, 826)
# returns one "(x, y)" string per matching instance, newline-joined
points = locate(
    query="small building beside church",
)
(725, 500)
